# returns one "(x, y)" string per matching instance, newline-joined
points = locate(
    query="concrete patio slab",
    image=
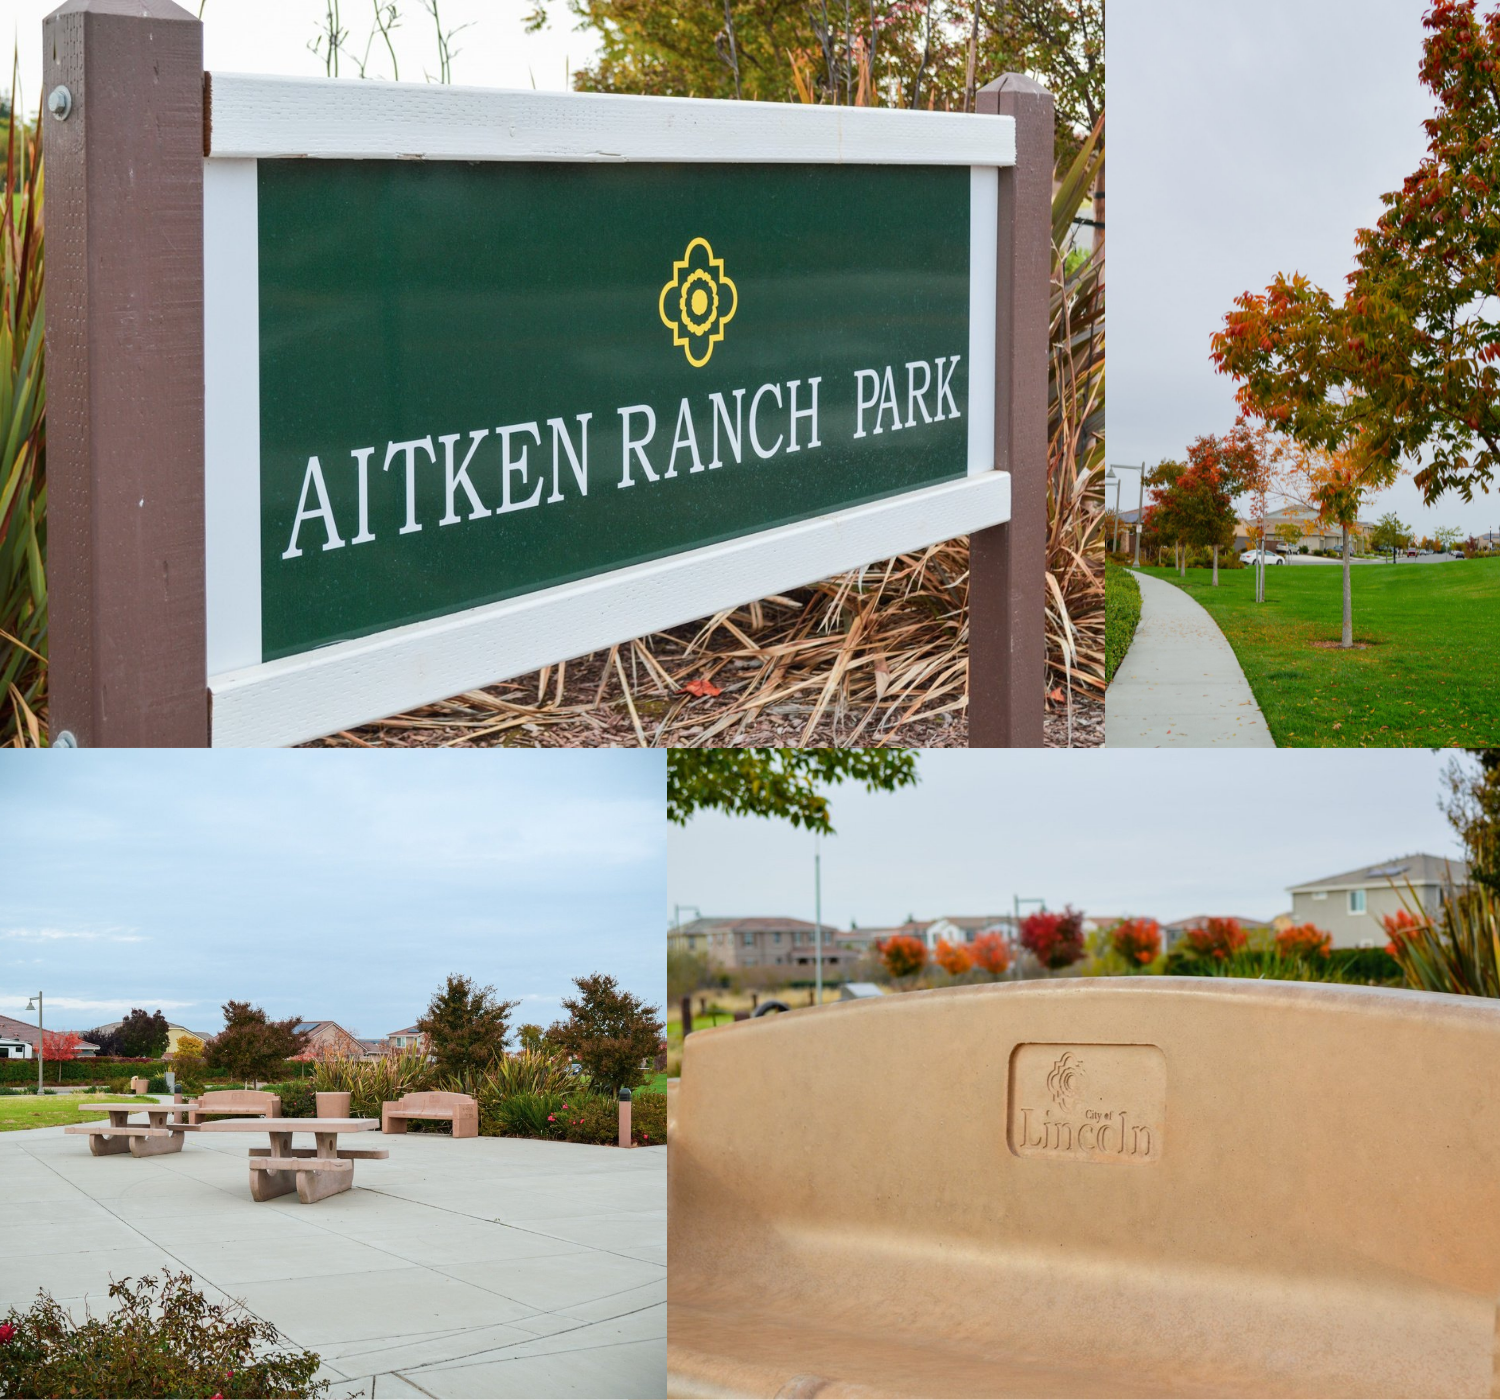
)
(487, 1266)
(1180, 684)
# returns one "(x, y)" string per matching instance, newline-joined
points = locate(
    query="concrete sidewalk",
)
(1180, 684)
(483, 1267)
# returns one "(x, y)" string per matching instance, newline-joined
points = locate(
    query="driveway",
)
(482, 1267)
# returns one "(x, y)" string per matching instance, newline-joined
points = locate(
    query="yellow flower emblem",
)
(698, 302)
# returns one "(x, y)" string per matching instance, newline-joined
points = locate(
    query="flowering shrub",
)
(990, 953)
(1217, 938)
(1055, 940)
(164, 1338)
(1304, 941)
(952, 958)
(1400, 927)
(1138, 941)
(596, 1119)
(902, 954)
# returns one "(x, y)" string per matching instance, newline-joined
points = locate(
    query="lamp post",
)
(1140, 512)
(35, 1004)
(818, 915)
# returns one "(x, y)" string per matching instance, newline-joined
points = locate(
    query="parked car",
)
(1412, 553)
(1252, 556)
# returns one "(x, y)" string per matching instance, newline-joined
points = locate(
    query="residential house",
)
(1350, 906)
(12, 1048)
(965, 928)
(174, 1034)
(731, 944)
(861, 941)
(12, 1030)
(408, 1035)
(331, 1039)
(1311, 534)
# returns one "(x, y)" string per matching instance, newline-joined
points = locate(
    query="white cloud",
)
(82, 1004)
(48, 935)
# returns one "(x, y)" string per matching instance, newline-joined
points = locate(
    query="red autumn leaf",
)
(703, 689)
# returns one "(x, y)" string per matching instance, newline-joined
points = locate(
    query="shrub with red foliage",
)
(952, 958)
(1056, 940)
(1138, 941)
(1217, 938)
(902, 954)
(1304, 941)
(990, 953)
(1399, 928)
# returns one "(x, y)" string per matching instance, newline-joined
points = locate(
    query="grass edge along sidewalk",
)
(1122, 614)
(1424, 670)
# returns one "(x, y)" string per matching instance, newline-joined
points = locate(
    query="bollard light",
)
(624, 1117)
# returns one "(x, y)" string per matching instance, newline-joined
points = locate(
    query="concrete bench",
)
(1091, 1187)
(235, 1103)
(163, 1132)
(459, 1109)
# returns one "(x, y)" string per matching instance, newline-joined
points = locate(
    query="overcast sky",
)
(1246, 140)
(328, 885)
(1167, 833)
(271, 36)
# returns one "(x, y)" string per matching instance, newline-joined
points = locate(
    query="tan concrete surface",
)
(1091, 1187)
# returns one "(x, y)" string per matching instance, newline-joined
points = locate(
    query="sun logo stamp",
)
(1087, 1103)
(698, 302)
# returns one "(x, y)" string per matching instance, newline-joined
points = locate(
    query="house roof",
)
(1197, 920)
(972, 923)
(405, 1030)
(1418, 869)
(754, 925)
(21, 1030)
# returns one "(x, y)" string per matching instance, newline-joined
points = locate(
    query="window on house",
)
(749, 940)
(776, 937)
(1356, 901)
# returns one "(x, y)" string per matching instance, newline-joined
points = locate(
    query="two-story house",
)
(1350, 906)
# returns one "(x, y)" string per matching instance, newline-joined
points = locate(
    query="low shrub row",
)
(1368, 966)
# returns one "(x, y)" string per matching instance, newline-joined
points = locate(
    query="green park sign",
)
(487, 380)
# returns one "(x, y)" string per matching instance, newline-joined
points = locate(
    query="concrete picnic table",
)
(312, 1172)
(163, 1131)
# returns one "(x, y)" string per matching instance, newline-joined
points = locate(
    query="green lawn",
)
(49, 1111)
(656, 1086)
(1430, 671)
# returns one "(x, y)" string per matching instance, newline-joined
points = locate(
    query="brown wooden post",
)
(1008, 563)
(124, 161)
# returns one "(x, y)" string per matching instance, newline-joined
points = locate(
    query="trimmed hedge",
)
(95, 1071)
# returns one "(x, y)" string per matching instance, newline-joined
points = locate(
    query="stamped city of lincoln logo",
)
(698, 302)
(1087, 1103)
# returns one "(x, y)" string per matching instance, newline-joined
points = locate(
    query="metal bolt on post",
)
(624, 1117)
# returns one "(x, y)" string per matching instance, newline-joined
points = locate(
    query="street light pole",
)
(1140, 511)
(35, 1004)
(818, 914)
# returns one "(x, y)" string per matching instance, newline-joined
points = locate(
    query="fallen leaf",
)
(701, 688)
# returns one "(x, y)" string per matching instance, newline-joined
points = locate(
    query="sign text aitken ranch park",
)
(480, 380)
(364, 394)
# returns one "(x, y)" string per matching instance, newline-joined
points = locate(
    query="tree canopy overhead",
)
(778, 782)
(1404, 364)
(885, 53)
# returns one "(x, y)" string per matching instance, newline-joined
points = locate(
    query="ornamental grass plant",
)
(23, 472)
(1456, 949)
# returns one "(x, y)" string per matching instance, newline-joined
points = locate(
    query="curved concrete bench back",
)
(242, 1103)
(1111, 1186)
(459, 1109)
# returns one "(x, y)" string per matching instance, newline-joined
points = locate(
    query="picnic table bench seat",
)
(462, 1110)
(1113, 1186)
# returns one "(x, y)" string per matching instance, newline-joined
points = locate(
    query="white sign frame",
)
(251, 117)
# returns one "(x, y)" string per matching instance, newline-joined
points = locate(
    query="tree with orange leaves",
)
(953, 958)
(1406, 362)
(991, 953)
